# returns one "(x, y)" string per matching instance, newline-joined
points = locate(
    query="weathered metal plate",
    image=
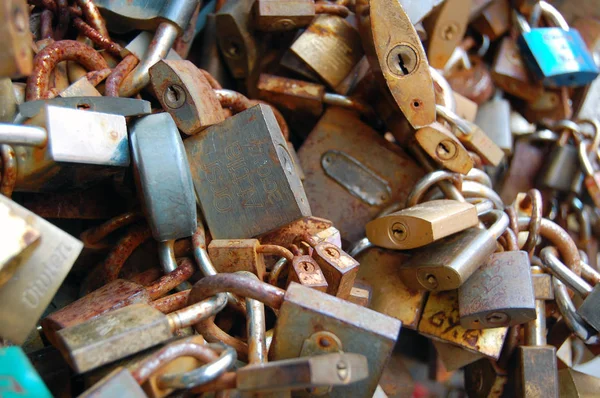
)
(113, 105)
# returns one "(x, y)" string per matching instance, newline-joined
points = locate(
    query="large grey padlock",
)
(67, 148)
(163, 177)
(244, 176)
(494, 118)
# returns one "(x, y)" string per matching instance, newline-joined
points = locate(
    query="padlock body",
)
(494, 118)
(499, 293)
(558, 57)
(305, 271)
(360, 330)
(536, 372)
(244, 176)
(338, 267)
(560, 169)
(233, 255)
(589, 309)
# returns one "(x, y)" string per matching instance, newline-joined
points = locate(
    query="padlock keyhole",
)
(402, 65)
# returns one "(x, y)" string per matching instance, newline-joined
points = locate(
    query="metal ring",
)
(553, 265)
(536, 218)
(428, 181)
(204, 374)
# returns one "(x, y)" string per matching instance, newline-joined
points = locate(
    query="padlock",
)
(246, 183)
(561, 166)
(575, 384)
(419, 225)
(338, 267)
(588, 309)
(449, 262)
(17, 58)
(168, 19)
(592, 177)
(494, 117)
(304, 97)
(443, 146)
(331, 47)
(360, 294)
(465, 108)
(342, 326)
(38, 277)
(556, 55)
(551, 105)
(510, 74)
(535, 371)
(184, 92)
(398, 60)
(352, 172)
(125, 331)
(55, 156)
(19, 377)
(277, 15)
(473, 79)
(494, 20)
(232, 255)
(473, 137)
(445, 28)
(440, 321)
(235, 37)
(305, 271)
(115, 106)
(523, 170)
(499, 293)
(114, 295)
(389, 294)
(19, 240)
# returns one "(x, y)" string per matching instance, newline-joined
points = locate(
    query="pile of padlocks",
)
(284, 198)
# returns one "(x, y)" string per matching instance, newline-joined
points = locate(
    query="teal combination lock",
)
(18, 377)
(557, 55)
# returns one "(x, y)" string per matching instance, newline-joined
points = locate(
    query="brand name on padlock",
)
(35, 291)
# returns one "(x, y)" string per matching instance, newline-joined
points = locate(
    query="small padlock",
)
(38, 277)
(19, 240)
(494, 20)
(54, 155)
(421, 224)
(396, 55)
(331, 47)
(278, 15)
(350, 169)
(523, 170)
(184, 92)
(235, 37)
(510, 74)
(473, 79)
(557, 55)
(17, 58)
(305, 271)
(445, 27)
(246, 183)
(473, 137)
(440, 321)
(561, 166)
(494, 118)
(19, 377)
(114, 295)
(448, 263)
(443, 146)
(499, 293)
(551, 105)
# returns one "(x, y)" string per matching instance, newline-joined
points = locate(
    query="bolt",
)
(402, 60)
(174, 96)
(399, 231)
(446, 150)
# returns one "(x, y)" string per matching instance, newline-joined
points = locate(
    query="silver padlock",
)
(494, 118)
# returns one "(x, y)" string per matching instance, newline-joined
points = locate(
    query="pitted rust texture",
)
(93, 236)
(172, 302)
(47, 59)
(170, 281)
(114, 81)
(46, 20)
(9, 170)
(331, 9)
(93, 17)
(99, 39)
(123, 249)
(288, 234)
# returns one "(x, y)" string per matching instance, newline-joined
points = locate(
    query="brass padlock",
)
(246, 183)
(282, 15)
(494, 20)
(37, 278)
(331, 47)
(184, 92)
(440, 320)
(235, 38)
(445, 28)
(443, 146)
(19, 239)
(421, 224)
(398, 59)
(499, 293)
(351, 170)
(305, 271)
(465, 108)
(448, 263)
(17, 59)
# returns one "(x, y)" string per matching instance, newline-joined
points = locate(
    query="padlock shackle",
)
(535, 330)
(584, 159)
(478, 176)
(472, 189)
(237, 284)
(276, 250)
(501, 221)
(455, 120)
(170, 281)
(520, 22)
(567, 309)
(552, 15)
(13, 134)
(558, 269)
(447, 93)
(423, 185)
(202, 375)
(168, 262)
(359, 247)
(197, 311)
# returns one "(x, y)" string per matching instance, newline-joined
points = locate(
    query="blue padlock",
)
(557, 56)
(18, 377)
